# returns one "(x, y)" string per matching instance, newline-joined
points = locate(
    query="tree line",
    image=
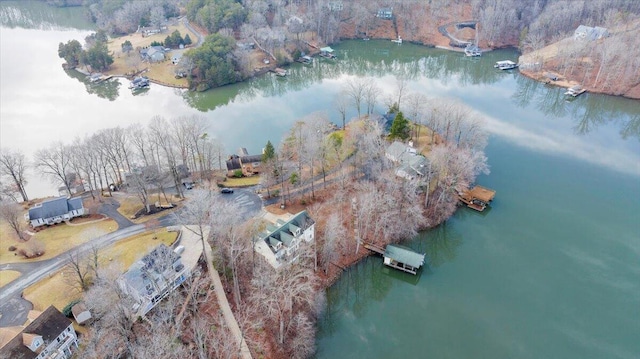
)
(96, 55)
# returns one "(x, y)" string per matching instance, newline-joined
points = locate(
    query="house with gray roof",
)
(55, 210)
(280, 243)
(589, 33)
(49, 336)
(410, 164)
(153, 54)
(152, 278)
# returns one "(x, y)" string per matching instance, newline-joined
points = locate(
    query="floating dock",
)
(575, 91)
(477, 198)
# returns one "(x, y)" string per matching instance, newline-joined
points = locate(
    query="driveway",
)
(248, 201)
(13, 309)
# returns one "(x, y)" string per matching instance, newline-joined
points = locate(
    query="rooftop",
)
(404, 255)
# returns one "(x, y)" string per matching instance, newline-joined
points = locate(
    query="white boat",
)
(505, 65)
(398, 41)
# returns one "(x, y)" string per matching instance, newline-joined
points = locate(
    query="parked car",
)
(226, 190)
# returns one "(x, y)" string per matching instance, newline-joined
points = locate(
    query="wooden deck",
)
(374, 248)
(477, 198)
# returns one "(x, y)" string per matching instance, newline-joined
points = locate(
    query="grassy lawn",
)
(129, 250)
(53, 290)
(162, 71)
(56, 290)
(6, 276)
(57, 239)
(241, 182)
(130, 205)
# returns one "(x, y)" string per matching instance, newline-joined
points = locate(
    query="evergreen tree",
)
(269, 152)
(71, 52)
(399, 127)
(187, 40)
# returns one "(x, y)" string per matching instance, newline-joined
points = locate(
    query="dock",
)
(477, 198)
(280, 72)
(575, 91)
(398, 257)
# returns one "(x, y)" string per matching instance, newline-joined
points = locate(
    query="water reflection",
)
(106, 89)
(38, 15)
(587, 112)
(440, 244)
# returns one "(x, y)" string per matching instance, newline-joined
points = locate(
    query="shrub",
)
(12, 248)
(67, 308)
(237, 173)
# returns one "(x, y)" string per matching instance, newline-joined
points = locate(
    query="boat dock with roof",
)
(399, 257)
(477, 198)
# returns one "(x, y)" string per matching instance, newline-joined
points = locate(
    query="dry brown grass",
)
(130, 205)
(56, 290)
(57, 239)
(241, 182)
(53, 290)
(162, 72)
(6, 276)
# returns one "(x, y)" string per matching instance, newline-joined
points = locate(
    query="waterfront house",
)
(403, 258)
(152, 278)
(55, 210)
(385, 13)
(589, 33)
(249, 164)
(281, 242)
(152, 54)
(49, 336)
(410, 164)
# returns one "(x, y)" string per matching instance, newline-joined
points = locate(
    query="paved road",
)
(248, 201)
(12, 310)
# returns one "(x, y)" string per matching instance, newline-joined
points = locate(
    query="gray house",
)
(589, 33)
(153, 54)
(410, 164)
(55, 211)
(152, 278)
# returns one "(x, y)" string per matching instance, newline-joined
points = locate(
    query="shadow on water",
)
(107, 89)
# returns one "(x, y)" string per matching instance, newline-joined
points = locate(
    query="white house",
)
(280, 243)
(55, 211)
(152, 278)
(49, 336)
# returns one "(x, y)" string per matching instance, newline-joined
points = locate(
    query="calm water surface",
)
(552, 270)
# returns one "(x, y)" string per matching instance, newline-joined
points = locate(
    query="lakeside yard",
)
(58, 289)
(126, 64)
(55, 240)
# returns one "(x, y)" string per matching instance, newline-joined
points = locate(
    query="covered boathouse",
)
(477, 198)
(403, 258)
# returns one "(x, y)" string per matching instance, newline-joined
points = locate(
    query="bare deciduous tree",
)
(13, 165)
(10, 212)
(54, 161)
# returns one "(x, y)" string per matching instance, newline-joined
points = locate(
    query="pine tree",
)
(399, 127)
(269, 152)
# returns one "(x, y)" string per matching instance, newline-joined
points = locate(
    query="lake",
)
(551, 270)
